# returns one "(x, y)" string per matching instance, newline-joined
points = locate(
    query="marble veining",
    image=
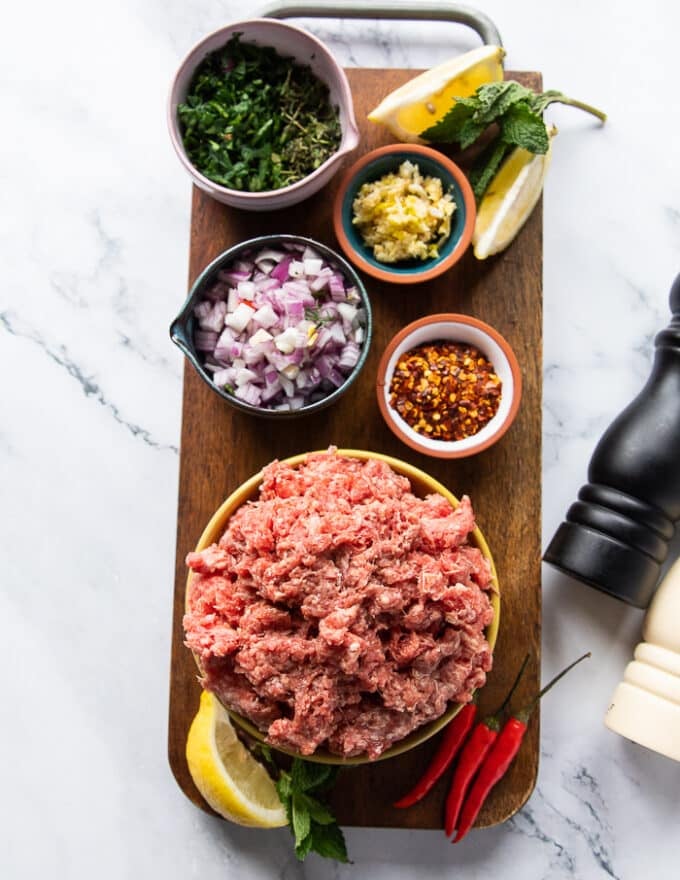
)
(94, 244)
(60, 356)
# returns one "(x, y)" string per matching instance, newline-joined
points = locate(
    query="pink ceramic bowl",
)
(290, 42)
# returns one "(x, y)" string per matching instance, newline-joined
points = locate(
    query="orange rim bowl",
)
(375, 165)
(454, 328)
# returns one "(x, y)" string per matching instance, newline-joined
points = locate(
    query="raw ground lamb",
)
(339, 610)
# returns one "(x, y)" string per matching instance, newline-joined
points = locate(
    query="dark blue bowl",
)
(183, 327)
(377, 164)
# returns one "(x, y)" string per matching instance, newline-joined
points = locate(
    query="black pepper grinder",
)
(616, 535)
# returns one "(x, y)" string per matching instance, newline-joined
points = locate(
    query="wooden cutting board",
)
(221, 447)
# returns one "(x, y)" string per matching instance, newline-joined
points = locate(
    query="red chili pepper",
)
(456, 731)
(500, 757)
(476, 749)
(474, 752)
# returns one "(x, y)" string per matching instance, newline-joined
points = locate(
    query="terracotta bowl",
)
(375, 165)
(421, 484)
(453, 328)
(289, 41)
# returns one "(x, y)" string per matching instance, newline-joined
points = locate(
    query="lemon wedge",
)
(230, 779)
(509, 200)
(428, 97)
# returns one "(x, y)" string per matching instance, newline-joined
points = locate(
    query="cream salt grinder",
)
(646, 704)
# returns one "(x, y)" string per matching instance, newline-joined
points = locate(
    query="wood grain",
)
(221, 447)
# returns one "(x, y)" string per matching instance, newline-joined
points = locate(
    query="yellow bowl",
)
(421, 484)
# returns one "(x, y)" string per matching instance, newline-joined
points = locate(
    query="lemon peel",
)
(425, 99)
(230, 779)
(509, 200)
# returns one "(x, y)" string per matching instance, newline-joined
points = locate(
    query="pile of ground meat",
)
(340, 611)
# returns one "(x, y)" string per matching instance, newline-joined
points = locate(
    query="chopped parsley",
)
(255, 121)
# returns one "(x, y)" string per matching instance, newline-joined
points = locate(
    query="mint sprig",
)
(312, 824)
(518, 113)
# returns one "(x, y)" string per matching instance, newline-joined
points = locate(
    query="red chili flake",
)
(445, 390)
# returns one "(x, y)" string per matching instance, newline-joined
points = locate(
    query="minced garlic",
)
(404, 216)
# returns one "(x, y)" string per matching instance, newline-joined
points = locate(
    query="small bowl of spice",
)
(404, 213)
(449, 385)
(260, 114)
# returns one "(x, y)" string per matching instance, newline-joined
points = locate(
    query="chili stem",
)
(525, 713)
(497, 759)
(472, 757)
(514, 686)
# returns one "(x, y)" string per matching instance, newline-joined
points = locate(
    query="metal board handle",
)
(437, 10)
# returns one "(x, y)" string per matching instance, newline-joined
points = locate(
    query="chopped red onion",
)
(226, 376)
(249, 394)
(337, 334)
(270, 392)
(267, 254)
(336, 377)
(287, 385)
(239, 318)
(280, 329)
(322, 279)
(336, 286)
(224, 344)
(246, 289)
(265, 316)
(232, 278)
(348, 356)
(205, 340)
(244, 376)
(280, 272)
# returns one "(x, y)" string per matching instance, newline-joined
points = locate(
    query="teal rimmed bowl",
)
(375, 165)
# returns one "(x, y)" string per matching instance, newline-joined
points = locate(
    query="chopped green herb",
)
(516, 110)
(256, 121)
(318, 316)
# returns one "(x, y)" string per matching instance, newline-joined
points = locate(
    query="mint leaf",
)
(498, 102)
(318, 812)
(448, 129)
(303, 848)
(469, 117)
(523, 127)
(470, 131)
(262, 750)
(486, 167)
(284, 785)
(324, 785)
(495, 99)
(539, 101)
(329, 841)
(284, 789)
(307, 775)
(302, 821)
(311, 823)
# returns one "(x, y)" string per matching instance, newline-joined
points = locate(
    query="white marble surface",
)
(94, 243)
